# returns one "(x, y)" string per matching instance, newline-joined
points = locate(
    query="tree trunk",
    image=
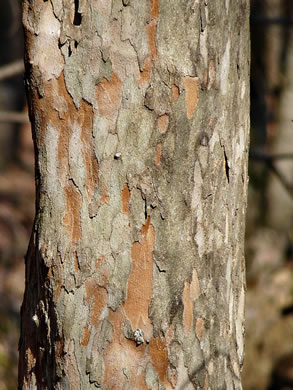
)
(135, 269)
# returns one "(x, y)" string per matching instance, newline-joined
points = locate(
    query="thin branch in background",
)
(16, 117)
(282, 179)
(286, 21)
(11, 69)
(269, 160)
(261, 156)
(283, 156)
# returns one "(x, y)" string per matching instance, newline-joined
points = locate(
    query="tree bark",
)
(135, 269)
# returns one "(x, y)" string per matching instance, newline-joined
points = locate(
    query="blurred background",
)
(269, 229)
(269, 237)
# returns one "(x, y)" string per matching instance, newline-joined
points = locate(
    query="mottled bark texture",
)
(135, 270)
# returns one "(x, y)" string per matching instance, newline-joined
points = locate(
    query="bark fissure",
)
(227, 168)
(77, 15)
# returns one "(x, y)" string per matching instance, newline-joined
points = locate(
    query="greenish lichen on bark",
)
(140, 122)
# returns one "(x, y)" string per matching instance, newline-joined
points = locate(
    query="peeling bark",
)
(135, 269)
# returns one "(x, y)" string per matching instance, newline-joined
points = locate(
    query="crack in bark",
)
(227, 168)
(202, 16)
(77, 15)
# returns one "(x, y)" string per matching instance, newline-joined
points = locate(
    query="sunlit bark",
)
(135, 271)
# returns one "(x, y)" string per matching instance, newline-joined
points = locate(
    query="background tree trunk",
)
(135, 269)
